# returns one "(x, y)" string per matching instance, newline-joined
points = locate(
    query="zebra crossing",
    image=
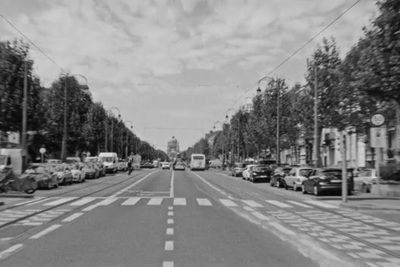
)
(180, 201)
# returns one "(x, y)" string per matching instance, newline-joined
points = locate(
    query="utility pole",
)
(278, 156)
(64, 139)
(24, 117)
(316, 147)
(112, 134)
(105, 137)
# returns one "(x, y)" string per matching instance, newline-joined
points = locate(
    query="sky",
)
(177, 67)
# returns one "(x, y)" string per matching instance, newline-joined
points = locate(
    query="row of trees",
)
(349, 91)
(90, 126)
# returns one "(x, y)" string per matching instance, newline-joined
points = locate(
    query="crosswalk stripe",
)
(83, 201)
(252, 204)
(179, 201)
(299, 204)
(321, 204)
(228, 203)
(130, 201)
(278, 203)
(155, 201)
(203, 202)
(59, 201)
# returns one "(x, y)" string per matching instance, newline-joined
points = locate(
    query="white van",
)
(110, 161)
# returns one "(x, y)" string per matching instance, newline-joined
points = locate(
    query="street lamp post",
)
(64, 139)
(232, 139)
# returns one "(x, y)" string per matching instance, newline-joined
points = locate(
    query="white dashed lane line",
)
(169, 245)
(228, 203)
(170, 231)
(8, 252)
(168, 264)
(203, 202)
(46, 231)
(72, 217)
(180, 201)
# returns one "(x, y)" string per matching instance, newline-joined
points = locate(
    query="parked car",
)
(63, 172)
(90, 171)
(98, 161)
(238, 169)
(364, 180)
(54, 161)
(77, 175)
(43, 174)
(147, 165)
(278, 175)
(260, 173)
(247, 170)
(296, 177)
(326, 180)
(165, 165)
(122, 166)
(179, 166)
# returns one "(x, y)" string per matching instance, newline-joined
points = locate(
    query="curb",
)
(18, 195)
(367, 208)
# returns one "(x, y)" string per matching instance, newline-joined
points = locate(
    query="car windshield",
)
(305, 172)
(108, 159)
(260, 169)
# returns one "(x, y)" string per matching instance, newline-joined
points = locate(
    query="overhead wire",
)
(299, 49)
(31, 42)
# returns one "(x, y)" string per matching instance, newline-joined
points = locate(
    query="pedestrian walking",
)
(130, 162)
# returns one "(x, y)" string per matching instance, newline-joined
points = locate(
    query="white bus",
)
(198, 162)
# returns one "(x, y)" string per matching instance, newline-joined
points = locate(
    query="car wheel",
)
(56, 185)
(316, 191)
(49, 186)
(303, 189)
(271, 183)
(294, 187)
(278, 184)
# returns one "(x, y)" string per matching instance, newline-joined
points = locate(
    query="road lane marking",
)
(278, 203)
(170, 221)
(299, 204)
(212, 186)
(131, 201)
(203, 202)
(40, 201)
(171, 192)
(248, 208)
(72, 217)
(82, 201)
(168, 264)
(321, 204)
(180, 201)
(8, 252)
(132, 185)
(33, 201)
(252, 204)
(59, 201)
(260, 216)
(169, 245)
(170, 231)
(46, 231)
(170, 208)
(155, 201)
(282, 229)
(228, 203)
(170, 213)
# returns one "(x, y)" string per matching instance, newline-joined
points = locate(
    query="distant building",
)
(173, 148)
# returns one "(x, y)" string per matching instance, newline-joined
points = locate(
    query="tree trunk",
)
(397, 131)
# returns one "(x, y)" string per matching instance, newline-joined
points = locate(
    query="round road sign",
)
(377, 120)
(42, 150)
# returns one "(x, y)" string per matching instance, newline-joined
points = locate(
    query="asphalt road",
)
(183, 218)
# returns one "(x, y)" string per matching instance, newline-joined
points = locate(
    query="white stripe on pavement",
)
(168, 264)
(228, 203)
(83, 201)
(299, 204)
(131, 201)
(170, 231)
(321, 204)
(260, 216)
(203, 202)
(104, 202)
(6, 253)
(155, 201)
(179, 201)
(170, 213)
(169, 245)
(72, 217)
(170, 221)
(46, 231)
(59, 201)
(252, 203)
(278, 203)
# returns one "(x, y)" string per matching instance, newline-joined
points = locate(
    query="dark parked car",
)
(326, 180)
(179, 166)
(238, 169)
(147, 165)
(260, 173)
(278, 175)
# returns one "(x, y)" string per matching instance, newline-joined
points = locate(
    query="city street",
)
(170, 218)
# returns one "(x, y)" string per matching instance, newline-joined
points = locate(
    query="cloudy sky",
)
(175, 67)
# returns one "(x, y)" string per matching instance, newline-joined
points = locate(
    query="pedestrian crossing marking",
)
(252, 204)
(321, 204)
(155, 201)
(278, 203)
(180, 201)
(131, 201)
(299, 204)
(203, 202)
(59, 201)
(228, 203)
(83, 201)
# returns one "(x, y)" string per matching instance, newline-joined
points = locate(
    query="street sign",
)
(42, 150)
(378, 137)
(377, 120)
